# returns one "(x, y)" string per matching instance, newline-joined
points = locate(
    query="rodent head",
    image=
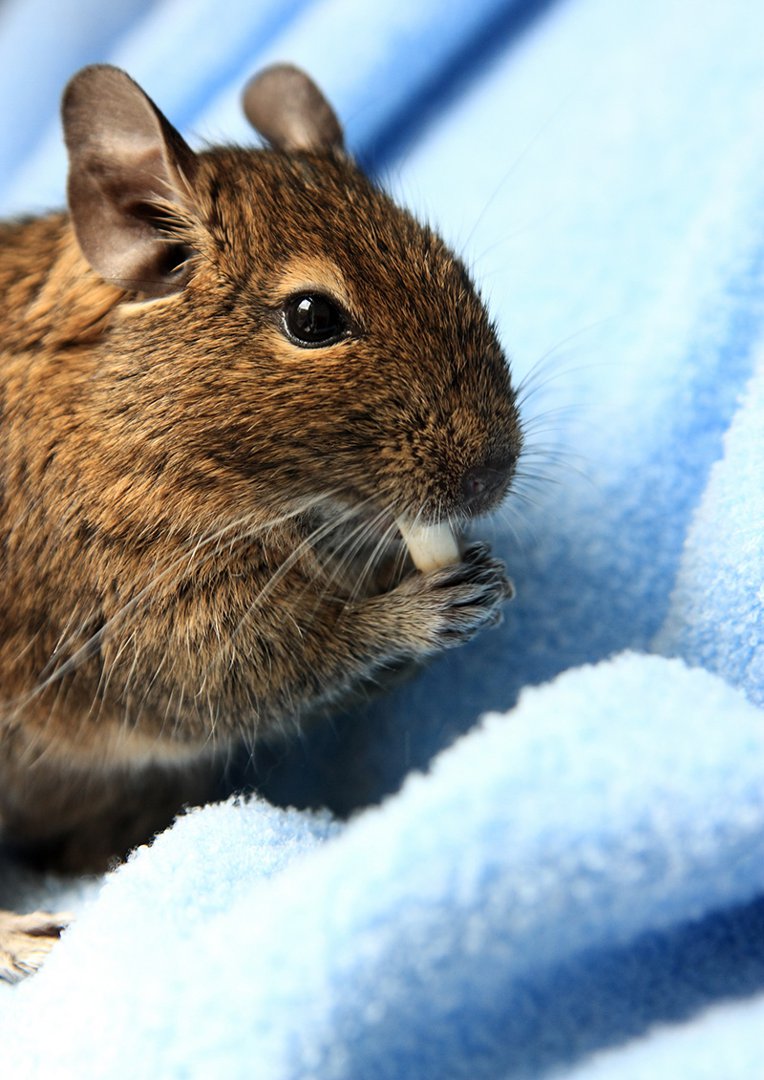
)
(295, 334)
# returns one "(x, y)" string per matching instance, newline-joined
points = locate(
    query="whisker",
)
(160, 576)
(519, 158)
(302, 548)
(373, 560)
(354, 543)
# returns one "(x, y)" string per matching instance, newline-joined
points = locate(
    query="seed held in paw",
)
(430, 546)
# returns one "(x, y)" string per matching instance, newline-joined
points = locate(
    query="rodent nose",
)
(481, 484)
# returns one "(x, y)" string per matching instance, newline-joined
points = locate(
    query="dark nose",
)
(482, 484)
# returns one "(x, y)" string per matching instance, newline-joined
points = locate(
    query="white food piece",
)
(430, 546)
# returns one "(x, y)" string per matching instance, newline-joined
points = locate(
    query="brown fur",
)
(163, 461)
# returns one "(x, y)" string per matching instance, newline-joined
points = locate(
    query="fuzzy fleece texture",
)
(565, 875)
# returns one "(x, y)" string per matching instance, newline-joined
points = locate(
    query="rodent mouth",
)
(367, 553)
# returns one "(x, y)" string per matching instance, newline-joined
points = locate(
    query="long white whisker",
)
(318, 534)
(159, 577)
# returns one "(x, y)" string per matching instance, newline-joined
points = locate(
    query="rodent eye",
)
(312, 320)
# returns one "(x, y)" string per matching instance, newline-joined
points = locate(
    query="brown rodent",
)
(229, 380)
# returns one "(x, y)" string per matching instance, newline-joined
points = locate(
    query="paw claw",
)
(476, 551)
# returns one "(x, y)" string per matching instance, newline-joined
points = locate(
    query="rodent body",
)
(224, 377)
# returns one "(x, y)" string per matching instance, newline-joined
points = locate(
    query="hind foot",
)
(25, 941)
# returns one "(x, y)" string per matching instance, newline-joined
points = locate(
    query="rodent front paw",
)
(449, 606)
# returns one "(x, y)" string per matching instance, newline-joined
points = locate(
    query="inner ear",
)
(129, 173)
(286, 107)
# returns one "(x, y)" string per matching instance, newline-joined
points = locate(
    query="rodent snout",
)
(483, 485)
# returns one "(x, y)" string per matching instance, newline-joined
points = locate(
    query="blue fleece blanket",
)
(566, 873)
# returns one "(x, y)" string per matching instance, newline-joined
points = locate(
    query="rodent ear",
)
(128, 169)
(289, 110)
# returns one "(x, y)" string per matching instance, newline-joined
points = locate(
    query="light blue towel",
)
(576, 885)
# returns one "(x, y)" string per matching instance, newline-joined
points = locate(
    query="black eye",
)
(312, 320)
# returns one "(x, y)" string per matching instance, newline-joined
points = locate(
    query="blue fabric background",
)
(574, 885)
